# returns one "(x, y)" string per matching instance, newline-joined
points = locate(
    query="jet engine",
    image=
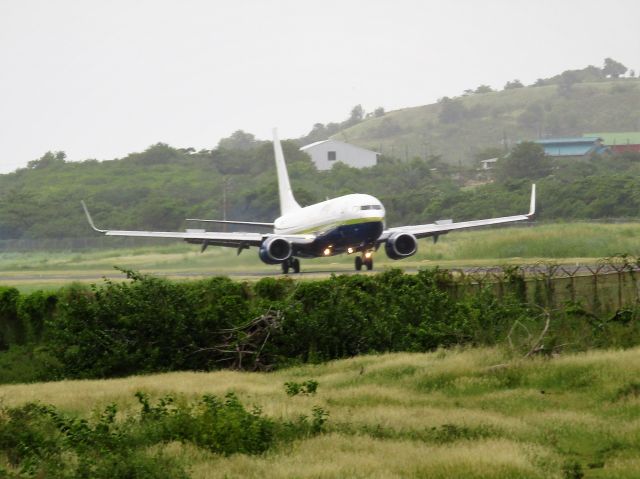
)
(401, 245)
(275, 250)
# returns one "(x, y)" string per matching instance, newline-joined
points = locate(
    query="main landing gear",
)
(365, 260)
(291, 263)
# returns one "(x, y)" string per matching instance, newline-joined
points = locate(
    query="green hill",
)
(458, 128)
(159, 187)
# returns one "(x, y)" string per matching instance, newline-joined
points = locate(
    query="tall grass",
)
(554, 241)
(452, 413)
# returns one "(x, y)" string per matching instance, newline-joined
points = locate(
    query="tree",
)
(239, 140)
(567, 80)
(357, 114)
(532, 116)
(19, 210)
(333, 128)
(451, 111)
(483, 89)
(527, 160)
(378, 112)
(48, 159)
(157, 154)
(319, 132)
(513, 84)
(613, 68)
(591, 73)
(387, 127)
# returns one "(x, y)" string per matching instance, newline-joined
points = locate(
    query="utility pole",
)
(225, 185)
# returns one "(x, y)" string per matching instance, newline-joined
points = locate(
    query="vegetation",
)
(457, 128)
(38, 205)
(420, 177)
(526, 160)
(481, 412)
(150, 324)
(39, 440)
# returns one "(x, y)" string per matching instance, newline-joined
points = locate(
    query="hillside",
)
(458, 128)
(427, 173)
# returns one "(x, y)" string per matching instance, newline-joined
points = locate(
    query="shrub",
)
(41, 441)
(307, 388)
(11, 330)
(151, 324)
(35, 310)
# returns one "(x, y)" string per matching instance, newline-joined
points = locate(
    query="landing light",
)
(327, 251)
(349, 250)
(368, 254)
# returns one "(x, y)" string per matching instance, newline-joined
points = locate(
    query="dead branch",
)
(538, 346)
(245, 340)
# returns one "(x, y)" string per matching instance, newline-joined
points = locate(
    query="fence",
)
(611, 284)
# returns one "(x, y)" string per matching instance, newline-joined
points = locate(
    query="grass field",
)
(476, 413)
(564, 242)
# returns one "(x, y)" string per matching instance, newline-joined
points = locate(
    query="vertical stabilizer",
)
(287, 202)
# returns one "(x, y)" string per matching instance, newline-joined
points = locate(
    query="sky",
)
(103, 78)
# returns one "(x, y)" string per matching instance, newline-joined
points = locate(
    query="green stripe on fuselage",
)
(331, 226)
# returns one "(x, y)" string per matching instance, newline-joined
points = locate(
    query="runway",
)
(56, 278)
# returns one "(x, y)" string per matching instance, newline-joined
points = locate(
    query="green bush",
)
(35, 310)
(306, 388)
(28, 363)
(11, 329)
(151, 324)
(41, 441)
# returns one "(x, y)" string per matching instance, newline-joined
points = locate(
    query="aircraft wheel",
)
(285, 267)
(358, 262)
(295, 264)
(369, 263)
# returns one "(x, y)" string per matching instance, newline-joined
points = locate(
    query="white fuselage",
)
(323, 217)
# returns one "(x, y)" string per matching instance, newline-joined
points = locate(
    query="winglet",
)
(532, 207)
(89, 219)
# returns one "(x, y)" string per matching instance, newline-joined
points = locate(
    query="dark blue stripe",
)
(358, 236)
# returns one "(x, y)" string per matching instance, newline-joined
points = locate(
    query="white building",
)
(489, 164)
(326, 153)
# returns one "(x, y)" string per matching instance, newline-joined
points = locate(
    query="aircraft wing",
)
(443, 227)
(206, 238)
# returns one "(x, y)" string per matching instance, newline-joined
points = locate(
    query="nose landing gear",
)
(365, 260)
(291, 263)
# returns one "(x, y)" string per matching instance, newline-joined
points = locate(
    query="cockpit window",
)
(371, 207)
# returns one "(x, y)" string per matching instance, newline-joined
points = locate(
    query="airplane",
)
(352, 224)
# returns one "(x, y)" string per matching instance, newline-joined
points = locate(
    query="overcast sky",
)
(101, 79)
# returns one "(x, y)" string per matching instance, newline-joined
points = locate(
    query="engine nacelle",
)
(275, 250)
(401, 245)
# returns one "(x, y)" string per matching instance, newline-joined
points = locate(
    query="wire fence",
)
(611, 284)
